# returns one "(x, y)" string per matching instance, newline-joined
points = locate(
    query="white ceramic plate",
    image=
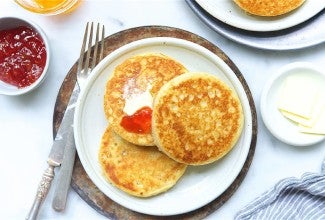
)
(277, 124)
(301, 36)
(228, 12)
(199, 185)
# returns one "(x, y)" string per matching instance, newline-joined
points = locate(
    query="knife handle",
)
(64, 178)
(42, 190)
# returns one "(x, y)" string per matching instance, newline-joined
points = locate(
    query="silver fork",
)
(83, 71)
(87, 62)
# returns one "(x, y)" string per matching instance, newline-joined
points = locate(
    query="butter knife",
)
(64, 176)
(63, 137)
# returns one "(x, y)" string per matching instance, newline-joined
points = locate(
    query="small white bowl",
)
(12, 22)
(276, 123)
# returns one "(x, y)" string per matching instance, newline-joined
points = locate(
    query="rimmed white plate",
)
(277, 124)
(199, 185)
(228, 12)
(301, 36)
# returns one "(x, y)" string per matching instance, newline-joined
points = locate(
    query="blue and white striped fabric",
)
(291, 198)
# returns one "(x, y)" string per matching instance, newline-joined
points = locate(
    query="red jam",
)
(22, 56)
(139, 122)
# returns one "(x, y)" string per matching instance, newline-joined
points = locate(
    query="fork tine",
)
(86, 67)
(95, 49)
(82, 51)
(101, 54)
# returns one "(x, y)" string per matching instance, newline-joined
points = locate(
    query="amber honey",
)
(49, 7)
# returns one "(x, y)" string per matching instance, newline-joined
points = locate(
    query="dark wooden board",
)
(80, 181)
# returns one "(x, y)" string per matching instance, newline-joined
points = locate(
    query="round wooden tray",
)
(80, 181)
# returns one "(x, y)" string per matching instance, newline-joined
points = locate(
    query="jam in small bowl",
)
(24, 55)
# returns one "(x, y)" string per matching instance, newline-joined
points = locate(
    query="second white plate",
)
(199, 185)
(228, 12)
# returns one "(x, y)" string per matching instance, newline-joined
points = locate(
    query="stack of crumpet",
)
(163, 118)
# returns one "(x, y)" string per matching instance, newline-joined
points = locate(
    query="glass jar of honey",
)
(49, 7)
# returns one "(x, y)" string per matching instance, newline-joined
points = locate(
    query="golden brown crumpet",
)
(268, 7)
(197, 118)
(138, 170)
(138, 76)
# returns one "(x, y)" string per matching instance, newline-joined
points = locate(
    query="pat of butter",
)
(317, 111)
(137, 101)
(298, 96)
(298, 119)
(318, 127)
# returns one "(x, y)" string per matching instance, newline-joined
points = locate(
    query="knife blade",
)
(56, 155)
(64, 176)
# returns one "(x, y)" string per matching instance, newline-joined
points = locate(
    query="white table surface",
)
(26, 121)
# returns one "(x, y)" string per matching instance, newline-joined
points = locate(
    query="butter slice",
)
(298, 96)
(298, 119)
(317, 111)
(318, 127)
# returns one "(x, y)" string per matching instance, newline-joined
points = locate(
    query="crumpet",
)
(197, 118)
(269, 7)
(138, 170)
(130, 92)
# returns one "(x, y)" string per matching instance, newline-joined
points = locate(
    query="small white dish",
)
(280, 127)
(199, 185)
(229, 13)
(13, 22)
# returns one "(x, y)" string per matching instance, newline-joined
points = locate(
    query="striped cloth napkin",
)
(291, 198)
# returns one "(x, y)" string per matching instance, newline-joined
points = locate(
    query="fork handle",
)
(42, 190)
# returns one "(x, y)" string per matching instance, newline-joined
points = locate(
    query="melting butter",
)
(137, 101)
